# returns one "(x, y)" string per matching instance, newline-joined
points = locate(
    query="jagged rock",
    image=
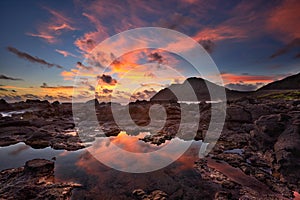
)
(33, 181)
(4, 106)
(154, 195)
(238, 114)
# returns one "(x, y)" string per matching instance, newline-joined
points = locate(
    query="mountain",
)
(199, 85)
(183, 91)
(288, 83)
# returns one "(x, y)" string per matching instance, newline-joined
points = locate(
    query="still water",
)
(102, 182)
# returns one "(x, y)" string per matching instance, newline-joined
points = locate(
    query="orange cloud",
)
(250, 79)
(45, 92)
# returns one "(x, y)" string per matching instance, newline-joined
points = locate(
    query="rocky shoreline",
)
(35, 180)
(260, 140)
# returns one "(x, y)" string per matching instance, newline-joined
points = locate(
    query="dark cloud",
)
(208, 45)
(11, 98)
(287, 48)
(10, 78)
(92, 88)
(82, 66)
(297, 55)
(64, 98)
(84, 81)
(106, 91)
(49, 97)
(3, 89)
(244, 86)
(90, 43)
(175, 21)
(155, 57)
(31, 58)
(45, 85)
(107, 79)
(115, 60)
(177, 81)
(143, 95)
(150, 74)
(6, 90)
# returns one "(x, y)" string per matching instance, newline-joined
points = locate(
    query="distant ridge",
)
(202, 93)
(200, 87)
(288, 83)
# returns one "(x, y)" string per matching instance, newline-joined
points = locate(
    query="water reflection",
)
(16, 155)
(102, 182)
(105, 183)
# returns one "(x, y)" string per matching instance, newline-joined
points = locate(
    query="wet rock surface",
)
(154, 195)
(260, 141)
(39, 124)
(33, 181)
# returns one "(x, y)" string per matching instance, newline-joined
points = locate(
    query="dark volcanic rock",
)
(4, 106)
(154, 195)
(238, 114)
(33, 181)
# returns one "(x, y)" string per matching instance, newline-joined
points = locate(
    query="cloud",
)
(3, 89)
(85, 82)
(284, 21)
(208, 45)
(249, 79)
(221, 32)
(2, 76)
(30, 96)
(89, 40)
(57, 24)
(43, 35)
(106, 91)
(143, 95)
(107, 79)
(244, 86)
(31, 58)
(155, 57)
(176, 21)
(61, 27)
(150, 74)
(287, 48)
(64, 53)
(81, 66)
(46, 86)
(7, 90)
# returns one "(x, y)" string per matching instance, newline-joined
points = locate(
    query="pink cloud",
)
(249, 79)
(64, 53)
(284, 20)
(54, 27)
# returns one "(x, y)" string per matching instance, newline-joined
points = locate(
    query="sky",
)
(46, 46)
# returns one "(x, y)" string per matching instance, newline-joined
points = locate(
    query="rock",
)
(4, 106)
(258, 110)
(238, 114)
(55, 103)
(39, 167)
(222, 195)
(14, 123)
(154, 195)
(34, 181)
